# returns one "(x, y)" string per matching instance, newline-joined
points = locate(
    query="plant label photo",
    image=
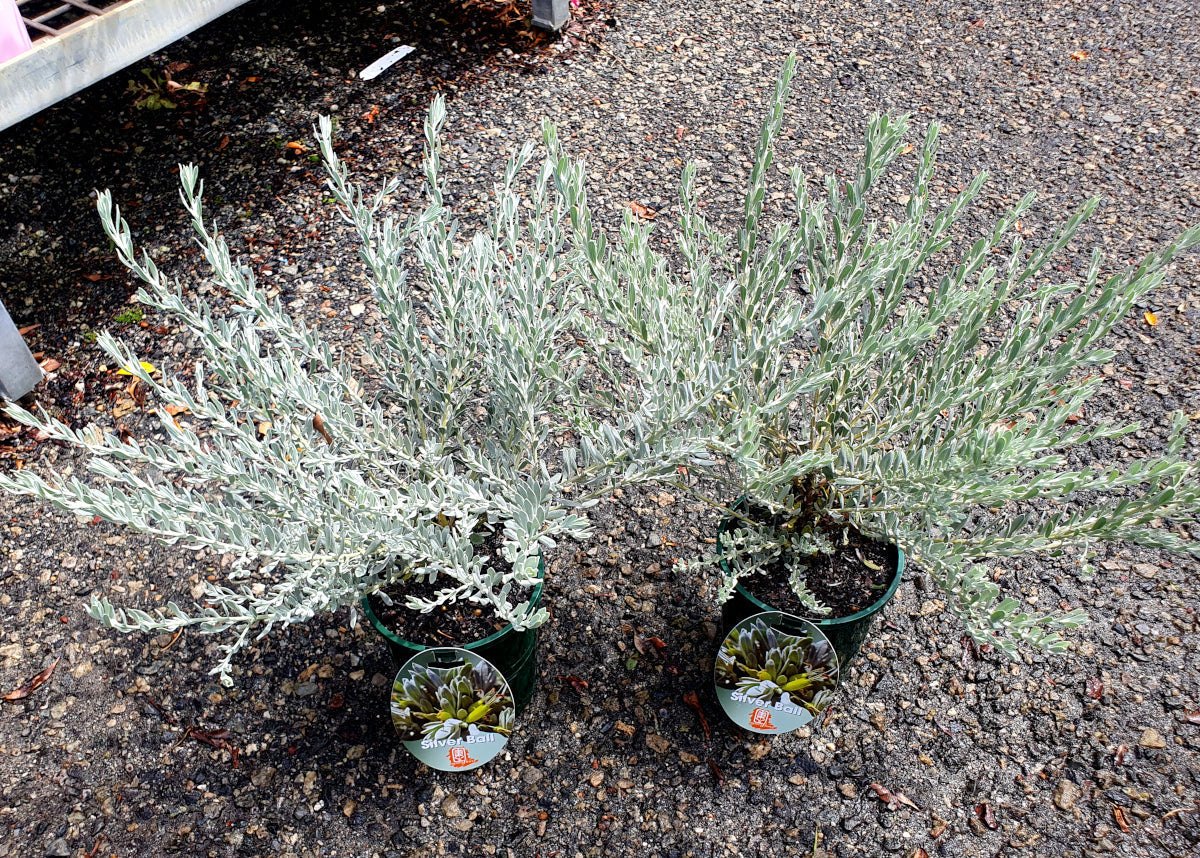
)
(452, 709)
(775, 673)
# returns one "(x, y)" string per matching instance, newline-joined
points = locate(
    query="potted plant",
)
(414, 473)
(877, 388)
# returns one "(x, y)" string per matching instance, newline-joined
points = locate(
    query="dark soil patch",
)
(841, 581)
(449, 625)
(850, 579)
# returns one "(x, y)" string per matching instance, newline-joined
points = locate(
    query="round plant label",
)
(775, 673)
(452, 709)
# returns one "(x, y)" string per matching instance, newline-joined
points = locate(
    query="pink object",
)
(14, 38)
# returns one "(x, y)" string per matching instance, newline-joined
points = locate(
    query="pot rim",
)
(534, 597)
(870, 610)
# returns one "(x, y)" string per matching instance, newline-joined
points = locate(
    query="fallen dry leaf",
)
(578, 684)
(214, 738)
(627, 729)
(641, 211)
(173, 410)
(218, 739)
(25, 330)
(939, 828)
(1150, 318)
(693, 701)
(1095, 688)
(50, 364)
(32, 685)
(1119, 815)
(892, 799)
(319, 426)
(1119, 758)
(984, 812)
(1079, 56)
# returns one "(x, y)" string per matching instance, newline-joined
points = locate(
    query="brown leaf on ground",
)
(693, 701)
(32, 685)
(939, 827)
(578, 684)
(1095, 688)
(641, 211)
(1119, 815)
(216, 738)
(984, 812)
(50, 364)
(658, 644)
(893, 799)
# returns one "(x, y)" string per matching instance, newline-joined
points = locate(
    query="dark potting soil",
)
(844, 581)
(454, 624)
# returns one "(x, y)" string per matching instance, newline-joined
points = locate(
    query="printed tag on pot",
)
(775, 673)
(452, 709)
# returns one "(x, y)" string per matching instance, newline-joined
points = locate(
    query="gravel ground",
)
(1093, 753)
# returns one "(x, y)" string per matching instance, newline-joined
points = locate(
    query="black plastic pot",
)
(511, 652)
(845, 633)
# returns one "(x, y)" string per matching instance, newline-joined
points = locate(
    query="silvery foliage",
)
(468, 364)
(848, 386)
(749, 550)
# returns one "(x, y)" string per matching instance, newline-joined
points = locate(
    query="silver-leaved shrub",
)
(329, 476)
(853, 373)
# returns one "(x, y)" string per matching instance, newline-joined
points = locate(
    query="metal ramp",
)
(77, 43)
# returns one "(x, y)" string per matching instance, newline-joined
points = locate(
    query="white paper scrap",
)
(385, 62)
